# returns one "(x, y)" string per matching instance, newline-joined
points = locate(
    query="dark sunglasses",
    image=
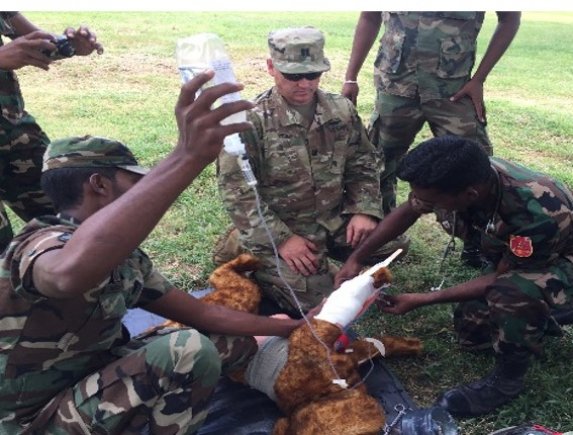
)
(299, 77)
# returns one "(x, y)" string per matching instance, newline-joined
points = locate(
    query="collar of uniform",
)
(288, 117)
(68, 219)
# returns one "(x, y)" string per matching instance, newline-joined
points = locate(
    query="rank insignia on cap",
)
(521, 246)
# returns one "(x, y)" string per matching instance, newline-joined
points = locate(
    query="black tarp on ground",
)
(239, 410)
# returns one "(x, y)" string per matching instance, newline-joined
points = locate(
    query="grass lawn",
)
(129, 93)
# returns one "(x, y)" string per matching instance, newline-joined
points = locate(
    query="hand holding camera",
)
(64, 48)
(27, 50)
(81, 42)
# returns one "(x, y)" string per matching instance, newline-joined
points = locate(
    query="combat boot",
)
(500, 386)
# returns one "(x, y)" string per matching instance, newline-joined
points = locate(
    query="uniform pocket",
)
(457, 56)
(389, 57)
(112, 304)
(11, 101)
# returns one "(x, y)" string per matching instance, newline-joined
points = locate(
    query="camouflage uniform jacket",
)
(427, 54)
(46, 344)
(531, 226)
(11, 101)
(306, 175)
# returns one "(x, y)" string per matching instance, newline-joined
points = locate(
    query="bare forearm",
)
(365, 34)
(405, 302)
(181, 307)
(396, 223)
(22, 26)
(220, 320)
(468, 290)
(508, 24)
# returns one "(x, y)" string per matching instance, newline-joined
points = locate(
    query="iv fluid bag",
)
(207, 51)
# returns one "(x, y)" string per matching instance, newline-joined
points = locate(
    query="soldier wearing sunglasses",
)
(318, 177)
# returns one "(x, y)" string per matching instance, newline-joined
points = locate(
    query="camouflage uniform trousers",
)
(308, 290)
(161, 382)
(22, 146)
(515, 312)
(397, 120)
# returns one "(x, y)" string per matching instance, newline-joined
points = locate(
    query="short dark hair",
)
(449, 164)
(64, 186)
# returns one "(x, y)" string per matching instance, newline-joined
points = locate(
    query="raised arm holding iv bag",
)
(206, 51)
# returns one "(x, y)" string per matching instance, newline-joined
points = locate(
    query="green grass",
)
(129, 92)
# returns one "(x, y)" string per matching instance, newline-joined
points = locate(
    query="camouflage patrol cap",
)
(298, 50)
(90, 152)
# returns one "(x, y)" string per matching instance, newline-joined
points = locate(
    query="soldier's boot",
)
(227, 247)
(503, 384)
(471, 253)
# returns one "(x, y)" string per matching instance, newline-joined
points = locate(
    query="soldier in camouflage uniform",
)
(317, 176)
(525, 220)
(423, 74)
(22, 141)
(67, 365)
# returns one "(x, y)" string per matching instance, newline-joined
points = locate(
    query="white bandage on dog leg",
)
(345, 303)
(266, 365)
(377, 344)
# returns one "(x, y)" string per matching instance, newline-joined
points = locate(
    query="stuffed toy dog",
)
(319, 390)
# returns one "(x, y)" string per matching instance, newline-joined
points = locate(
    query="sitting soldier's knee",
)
(194, 352)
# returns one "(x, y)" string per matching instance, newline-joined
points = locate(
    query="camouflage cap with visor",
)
(90, 152)
(298, 50)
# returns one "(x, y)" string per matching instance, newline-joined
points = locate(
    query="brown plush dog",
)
(311, 402)
(305, 389)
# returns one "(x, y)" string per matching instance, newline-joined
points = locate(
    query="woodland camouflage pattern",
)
(22, 144)
(310, 182)
(90, 152)
(418, 49)
(82, 374)
(516, 309)
(424, 58)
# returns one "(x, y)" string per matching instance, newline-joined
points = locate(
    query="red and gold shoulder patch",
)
(521, 246)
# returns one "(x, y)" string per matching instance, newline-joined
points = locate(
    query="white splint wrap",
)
(345, 303)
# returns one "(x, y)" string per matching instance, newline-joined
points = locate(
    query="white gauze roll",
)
(345, 303)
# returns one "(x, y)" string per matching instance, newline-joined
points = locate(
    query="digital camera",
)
(64, 48)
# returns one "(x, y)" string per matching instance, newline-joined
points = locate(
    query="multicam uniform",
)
(424, 58)
(311, 181)
(22, 145)
(69, 366)
(531, 229)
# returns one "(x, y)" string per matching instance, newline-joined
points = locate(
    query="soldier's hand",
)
(350, 91)
(474, 90)
(359, 228)
(27, 50)
(83, 40)
(348, 271)
(200, 131)
(399, 304)
(299, 254)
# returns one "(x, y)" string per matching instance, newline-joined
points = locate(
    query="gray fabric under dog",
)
(265, 367)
